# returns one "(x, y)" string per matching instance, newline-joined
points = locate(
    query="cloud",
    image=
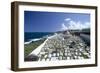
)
(71, 24)
(64, 27)
(67, 19)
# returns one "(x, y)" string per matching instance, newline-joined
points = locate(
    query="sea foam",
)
(33, 40)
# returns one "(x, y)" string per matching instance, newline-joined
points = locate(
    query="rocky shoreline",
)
(60, 47)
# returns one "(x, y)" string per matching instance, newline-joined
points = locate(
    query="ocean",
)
(28, 36)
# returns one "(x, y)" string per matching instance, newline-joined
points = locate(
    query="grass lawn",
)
(28, 48)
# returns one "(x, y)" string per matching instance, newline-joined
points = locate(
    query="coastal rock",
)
(61, 47)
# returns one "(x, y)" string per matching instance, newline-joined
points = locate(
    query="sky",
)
(36, 21)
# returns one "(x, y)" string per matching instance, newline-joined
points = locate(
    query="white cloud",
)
(67, 19)
(71, 24)
(64, 27)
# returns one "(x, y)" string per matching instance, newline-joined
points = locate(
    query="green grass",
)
(28, 48)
